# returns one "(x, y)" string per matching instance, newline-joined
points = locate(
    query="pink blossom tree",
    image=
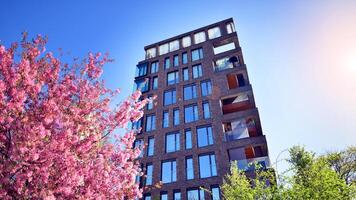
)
(54, 121)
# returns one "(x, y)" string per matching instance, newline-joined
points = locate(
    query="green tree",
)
(309, 177)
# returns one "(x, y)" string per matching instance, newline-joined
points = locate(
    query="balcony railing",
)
(249, 164)
(240, 132)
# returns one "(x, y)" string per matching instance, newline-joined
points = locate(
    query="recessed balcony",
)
(236, 103)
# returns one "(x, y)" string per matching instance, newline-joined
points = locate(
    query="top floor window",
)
(163, 49)
(154, 67)
(230, 27)
(141, 70)
(197, 54)
(150, 53)
(142, 84)
(214, 32)
(186, 41)
(199, 37)
(174, 45)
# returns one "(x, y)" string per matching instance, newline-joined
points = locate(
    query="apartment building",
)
(204, 115)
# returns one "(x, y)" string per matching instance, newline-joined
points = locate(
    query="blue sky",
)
(300, 55)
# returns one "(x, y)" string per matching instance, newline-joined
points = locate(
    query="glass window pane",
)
(155, 83)
(206, 110)
(230, 27)
(164, 196)
(175, 60)
(166, 63)
(184, 58)
(163, 49)
(193, 195)
(197, 71)
(185, 74)
(149, 174)
(204, 166)
(165, 119)
(199, 37)
(150, 148)
(186, 41)
(214, 32)
(150, 53)
(189, 169)
(197, 54)
(177, 196)
(188, 139)
(215, 193)
(174, 45)
(176, 117)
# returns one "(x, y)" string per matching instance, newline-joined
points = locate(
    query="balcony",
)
(236, 103)
(240, 129)
(246, 157)
(226, 63)
(250, 164)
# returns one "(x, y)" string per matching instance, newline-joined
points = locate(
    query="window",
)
(197, 71)
(137, 124)
(172, 142)
(215, 192)
(195, 194)
(188, 139)
(142, 84)
(169, 171)
(141, 69)
(176, 117)
(172, 78)
(186, 41)
(190, 113)
(155, 83)
(149, 174)
(174, 45)
(164, 196)
(189, 168)
(205, 88)
(205, 136)
(185, 74)
(189, 92)
(222, 64)
(166, 63)
(150, 123)
(197, 54)
(199, 37)
(154, 67)
(224, 48)
(147, 197)
(207, 166)
(230, 27)
(177, 195)
(214, 32)
(150, 53)
(163, 49)
(184, 58)
(170, 97)
(206, 110)
(175, 60)
(151, 146)
(165, 119)
(139, 144)
(150, 104)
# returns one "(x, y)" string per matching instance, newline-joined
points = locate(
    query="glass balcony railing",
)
(250, 164)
